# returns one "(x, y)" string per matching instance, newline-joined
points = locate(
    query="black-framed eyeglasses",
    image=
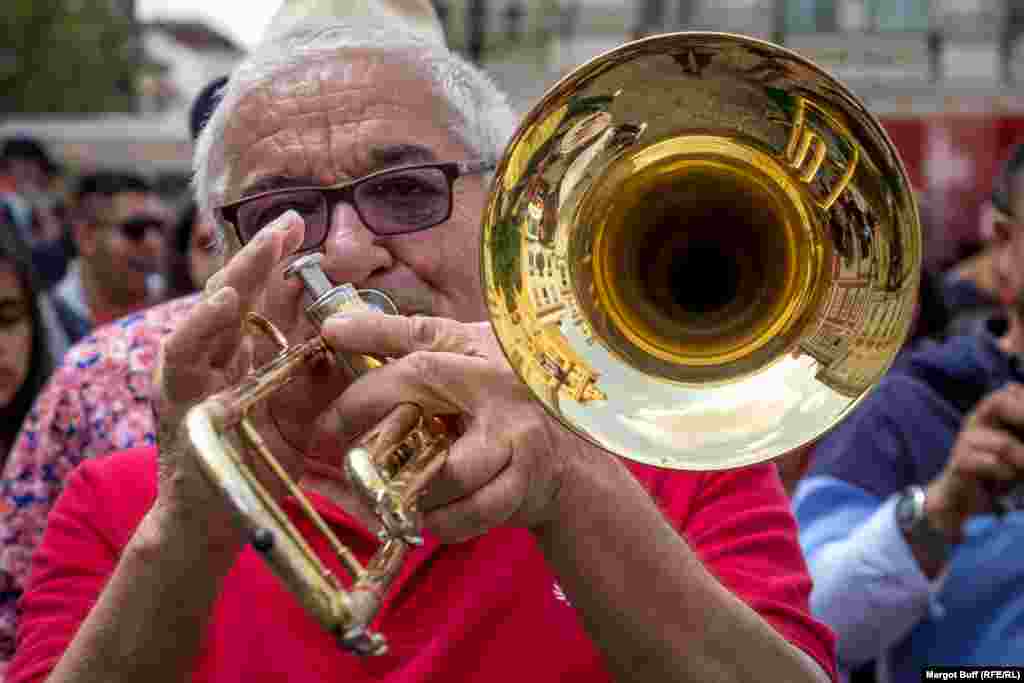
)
(136, 228)
(1000, 216)
(391, 202)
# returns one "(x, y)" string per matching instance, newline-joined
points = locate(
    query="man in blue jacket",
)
(903, 514)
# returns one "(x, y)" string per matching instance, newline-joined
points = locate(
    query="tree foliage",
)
(67, 56)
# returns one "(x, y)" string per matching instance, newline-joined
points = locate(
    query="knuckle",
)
(1001, 446)
(172, 349)
(422, 365)
(527, 432)
(423, 332)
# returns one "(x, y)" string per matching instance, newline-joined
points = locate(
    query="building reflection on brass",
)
(542, 202)
(865, 313)
(542, 355)
(811, 146)
(700, 233)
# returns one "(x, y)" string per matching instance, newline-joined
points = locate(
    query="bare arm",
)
(647, 600)
(151, 617)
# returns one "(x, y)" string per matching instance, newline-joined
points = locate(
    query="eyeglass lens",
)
(136, 228)
(388, 204)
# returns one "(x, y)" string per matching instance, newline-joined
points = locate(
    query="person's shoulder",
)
(137, 464)
(681, 492)
(125, 482)
(948, 354)
(158, 319)
(129, 341)
(961, 367)
(930, 367)
(98, 400)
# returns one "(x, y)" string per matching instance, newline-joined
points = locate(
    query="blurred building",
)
(187, 55)
(179, 58)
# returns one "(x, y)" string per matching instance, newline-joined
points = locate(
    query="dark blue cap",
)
(204, 104)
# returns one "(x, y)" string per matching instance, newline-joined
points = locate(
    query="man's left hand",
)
(511, 460)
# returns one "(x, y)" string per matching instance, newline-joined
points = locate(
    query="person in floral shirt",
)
(96, 403)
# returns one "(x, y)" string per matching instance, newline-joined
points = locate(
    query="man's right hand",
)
(206, 354)
(986, 461)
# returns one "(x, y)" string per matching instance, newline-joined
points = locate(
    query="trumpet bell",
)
(700, 251)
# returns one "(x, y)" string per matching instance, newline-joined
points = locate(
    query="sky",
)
(243, 20)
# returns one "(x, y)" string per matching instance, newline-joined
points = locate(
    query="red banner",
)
(952, 159)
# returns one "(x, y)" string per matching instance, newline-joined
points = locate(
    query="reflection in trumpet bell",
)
(705, 259)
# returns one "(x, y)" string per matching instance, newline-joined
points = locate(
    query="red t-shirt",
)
(485, 610)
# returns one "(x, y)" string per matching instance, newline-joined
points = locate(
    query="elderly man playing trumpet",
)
(545, 557)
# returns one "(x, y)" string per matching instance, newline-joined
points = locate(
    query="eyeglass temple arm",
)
(480, 166)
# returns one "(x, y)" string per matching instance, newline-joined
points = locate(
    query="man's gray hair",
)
(480, 116)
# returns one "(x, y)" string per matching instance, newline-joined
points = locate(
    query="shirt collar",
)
(71, 291)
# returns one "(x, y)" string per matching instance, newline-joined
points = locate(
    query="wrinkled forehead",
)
(321, 120)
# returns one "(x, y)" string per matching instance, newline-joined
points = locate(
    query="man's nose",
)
(153, 241)
(352, 252)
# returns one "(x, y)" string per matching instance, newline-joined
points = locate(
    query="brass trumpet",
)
(700, 251)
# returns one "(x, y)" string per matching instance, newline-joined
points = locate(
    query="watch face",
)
(906, 510)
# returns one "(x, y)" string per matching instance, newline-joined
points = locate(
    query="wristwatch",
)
(915, 525)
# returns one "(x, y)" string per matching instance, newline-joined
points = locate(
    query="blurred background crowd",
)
(101, 100)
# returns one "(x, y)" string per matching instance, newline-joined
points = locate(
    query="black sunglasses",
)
(136, 228)
(392, 202)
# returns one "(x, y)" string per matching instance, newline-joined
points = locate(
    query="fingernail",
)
(335, 322)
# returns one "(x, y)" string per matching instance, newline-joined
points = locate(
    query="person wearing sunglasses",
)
(544, 557)
(119, 230)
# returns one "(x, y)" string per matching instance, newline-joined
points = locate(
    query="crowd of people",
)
(886, 547)
(79, 256)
